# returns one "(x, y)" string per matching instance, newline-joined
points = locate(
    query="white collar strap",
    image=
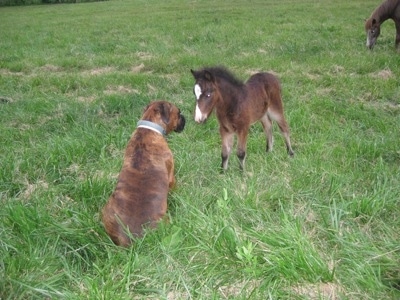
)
(152, 126)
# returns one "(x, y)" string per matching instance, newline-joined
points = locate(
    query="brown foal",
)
(238, 105)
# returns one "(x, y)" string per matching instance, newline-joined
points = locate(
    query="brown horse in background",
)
(238, 105)
(390, 9)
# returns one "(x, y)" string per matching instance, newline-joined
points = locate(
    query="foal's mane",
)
(382, 12)
(223, 73)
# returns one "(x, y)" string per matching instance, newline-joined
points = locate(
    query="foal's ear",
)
(194, 73)
(208, 76)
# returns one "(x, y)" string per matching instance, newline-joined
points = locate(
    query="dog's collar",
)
(152, 126)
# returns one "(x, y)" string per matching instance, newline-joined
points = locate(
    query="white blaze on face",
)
(197, 91)
(199, 117)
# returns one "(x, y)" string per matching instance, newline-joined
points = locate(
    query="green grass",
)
(74, 80)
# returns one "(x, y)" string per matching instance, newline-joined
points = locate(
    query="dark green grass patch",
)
(74, 80)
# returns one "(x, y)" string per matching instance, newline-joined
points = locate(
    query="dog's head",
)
(166, 115)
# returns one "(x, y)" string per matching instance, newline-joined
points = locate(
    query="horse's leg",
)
(267, 125)
(397, 42)
(227, 143)
(284, 127)
(241, 149)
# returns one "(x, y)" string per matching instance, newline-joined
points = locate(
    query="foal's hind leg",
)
(397, 41)
(227, 143)
(267, 125)
(284, 127)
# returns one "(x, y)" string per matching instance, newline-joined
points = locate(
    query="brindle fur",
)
(390, 9)
(238, 105)
(147, 174)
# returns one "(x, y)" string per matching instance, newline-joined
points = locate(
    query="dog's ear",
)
(146, 108)
(164, 110)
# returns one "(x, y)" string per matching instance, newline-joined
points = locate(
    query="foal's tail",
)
(275, 108)
(274, 92)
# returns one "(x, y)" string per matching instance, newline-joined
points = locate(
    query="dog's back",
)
(140, 197)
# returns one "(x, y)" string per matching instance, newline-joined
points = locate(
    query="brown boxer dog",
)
(140, 197)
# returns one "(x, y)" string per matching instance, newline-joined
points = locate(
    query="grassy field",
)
(74, 80)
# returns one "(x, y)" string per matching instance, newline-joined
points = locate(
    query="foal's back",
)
(264, 91)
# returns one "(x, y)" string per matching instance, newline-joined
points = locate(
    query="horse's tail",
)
(274, 91)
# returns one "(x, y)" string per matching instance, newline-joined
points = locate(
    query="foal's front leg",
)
(241, 149)
(227, 143)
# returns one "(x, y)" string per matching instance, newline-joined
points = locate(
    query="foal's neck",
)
(385, 11)
(229, 94)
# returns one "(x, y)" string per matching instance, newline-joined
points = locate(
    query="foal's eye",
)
(208, 95)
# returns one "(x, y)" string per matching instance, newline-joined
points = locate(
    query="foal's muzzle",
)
(199, 117)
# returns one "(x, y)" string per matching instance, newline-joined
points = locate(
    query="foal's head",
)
(213, 84)
(206, 94)
(373, 29)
